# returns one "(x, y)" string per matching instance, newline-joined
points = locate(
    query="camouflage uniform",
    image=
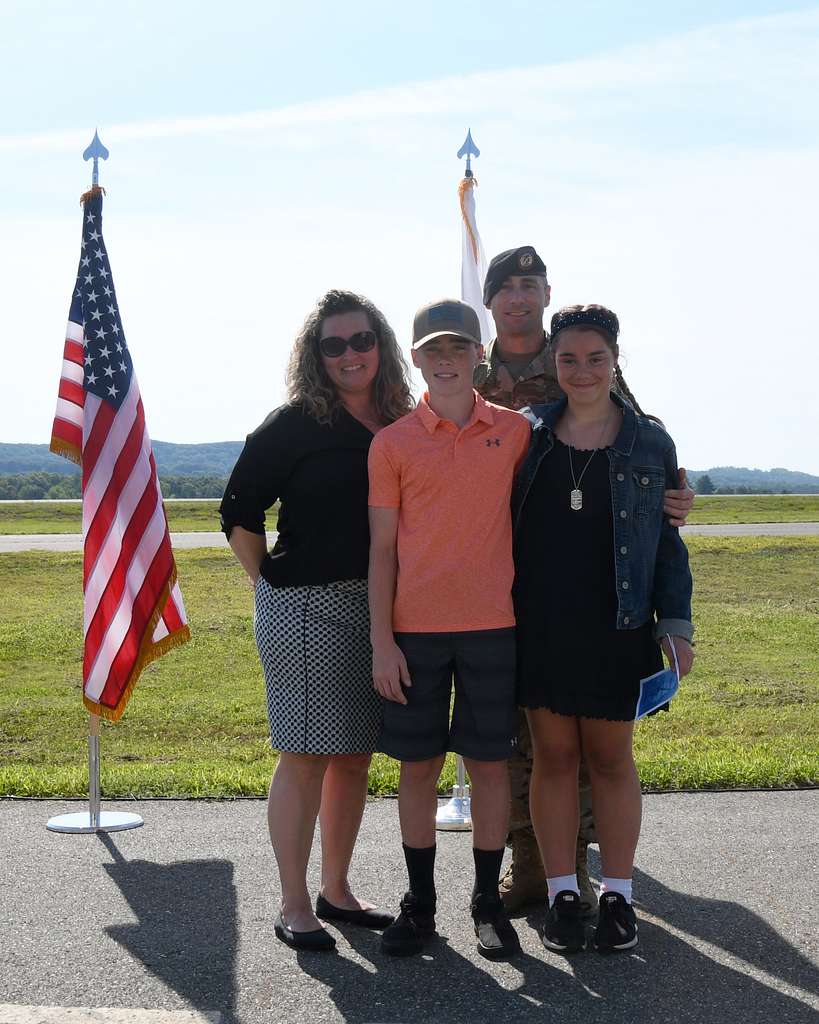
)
(536, 384)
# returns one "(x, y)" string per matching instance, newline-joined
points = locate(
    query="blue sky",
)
(662, 160)
(141, 60)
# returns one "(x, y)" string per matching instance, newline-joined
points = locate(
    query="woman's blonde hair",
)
(307, 380)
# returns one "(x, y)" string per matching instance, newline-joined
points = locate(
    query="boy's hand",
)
(390, 671)
(678, 504)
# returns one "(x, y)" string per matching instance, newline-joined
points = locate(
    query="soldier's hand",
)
(678, 503)
(390, 672)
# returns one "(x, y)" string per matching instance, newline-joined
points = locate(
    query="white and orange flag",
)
(473, 260)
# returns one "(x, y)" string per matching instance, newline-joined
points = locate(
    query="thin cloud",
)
(766, 55)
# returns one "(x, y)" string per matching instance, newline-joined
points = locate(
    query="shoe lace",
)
(410, 906)
(617, 911)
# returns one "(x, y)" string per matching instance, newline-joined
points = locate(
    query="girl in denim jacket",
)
(601, 580)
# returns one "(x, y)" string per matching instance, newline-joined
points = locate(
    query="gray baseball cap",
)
(445, 317)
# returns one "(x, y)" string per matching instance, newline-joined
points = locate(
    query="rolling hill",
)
(216, 459)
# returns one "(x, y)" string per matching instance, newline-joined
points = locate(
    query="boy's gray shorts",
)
(481, 664)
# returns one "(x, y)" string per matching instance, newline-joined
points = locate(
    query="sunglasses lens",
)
(332, 347)
(335, 347)
(363, 341)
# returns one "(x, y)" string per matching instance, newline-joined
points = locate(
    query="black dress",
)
(571, 657)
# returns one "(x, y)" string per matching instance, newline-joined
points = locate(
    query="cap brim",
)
(447, 334)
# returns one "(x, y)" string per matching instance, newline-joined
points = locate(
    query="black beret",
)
(521, 262)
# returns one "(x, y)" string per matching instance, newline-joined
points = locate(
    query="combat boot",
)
(525, 879)
(588, 897)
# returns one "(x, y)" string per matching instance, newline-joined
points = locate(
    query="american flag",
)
(133, 610)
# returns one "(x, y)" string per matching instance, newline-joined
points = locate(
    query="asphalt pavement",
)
(177, 916)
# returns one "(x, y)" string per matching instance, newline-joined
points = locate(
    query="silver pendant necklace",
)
(576, 495)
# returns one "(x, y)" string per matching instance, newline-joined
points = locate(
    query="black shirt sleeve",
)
(318, 473)
(259, 474)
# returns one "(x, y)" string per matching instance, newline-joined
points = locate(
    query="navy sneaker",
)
(563, 931)
(616, 924)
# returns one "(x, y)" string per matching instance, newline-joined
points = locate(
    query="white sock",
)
(560, 883)
(621, 885)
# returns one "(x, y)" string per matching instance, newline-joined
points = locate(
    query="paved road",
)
(73, 541)
(752, 529)
(177, 916)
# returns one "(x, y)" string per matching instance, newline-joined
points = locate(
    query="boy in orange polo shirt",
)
(441, 577)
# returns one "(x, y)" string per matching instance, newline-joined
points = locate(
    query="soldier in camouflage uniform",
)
(518, 370)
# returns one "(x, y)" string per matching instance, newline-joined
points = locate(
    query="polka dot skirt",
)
(314, 644)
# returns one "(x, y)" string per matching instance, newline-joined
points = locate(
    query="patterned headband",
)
(582, 318)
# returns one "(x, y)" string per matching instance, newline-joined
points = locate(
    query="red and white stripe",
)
(68, 420)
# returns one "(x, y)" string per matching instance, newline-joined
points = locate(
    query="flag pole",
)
(94, 770)
(455, 815)
(94, 819)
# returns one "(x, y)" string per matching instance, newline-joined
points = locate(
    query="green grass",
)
(66, 517)
(203, 516)
(755, 508)
(39, 517)
(196, 726)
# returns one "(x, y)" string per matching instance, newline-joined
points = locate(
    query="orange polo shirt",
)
(452, 486)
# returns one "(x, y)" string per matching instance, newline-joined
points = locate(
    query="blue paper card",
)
(658, 689)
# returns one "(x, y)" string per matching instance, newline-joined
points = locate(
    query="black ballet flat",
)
(318, 940)
(378, 920)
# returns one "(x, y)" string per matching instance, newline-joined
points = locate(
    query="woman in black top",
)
(346, 380)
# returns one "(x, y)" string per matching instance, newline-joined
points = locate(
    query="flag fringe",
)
(468, 183)
(149, 652)
(66, 449)
(95, 190)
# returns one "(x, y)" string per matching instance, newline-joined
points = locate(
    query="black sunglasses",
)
(334, 347)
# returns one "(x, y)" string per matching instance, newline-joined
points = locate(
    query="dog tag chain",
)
(576, 495)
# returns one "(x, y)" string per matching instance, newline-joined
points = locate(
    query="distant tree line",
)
(705, 485)
(193, 486)
(36, 486)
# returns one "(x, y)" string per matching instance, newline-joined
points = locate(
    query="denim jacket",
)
(650, 559)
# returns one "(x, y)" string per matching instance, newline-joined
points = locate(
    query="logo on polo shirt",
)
(492, 441)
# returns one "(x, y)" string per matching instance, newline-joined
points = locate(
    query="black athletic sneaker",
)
(497, 939)
(616, 924)
(410, 930)
(563, 931)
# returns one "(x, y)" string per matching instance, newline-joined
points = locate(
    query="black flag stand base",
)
(94, 820)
